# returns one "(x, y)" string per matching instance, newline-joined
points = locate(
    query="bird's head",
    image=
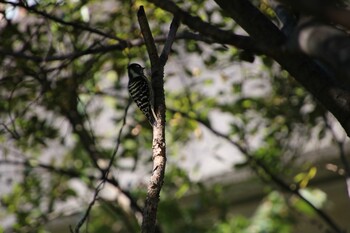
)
(134, 70)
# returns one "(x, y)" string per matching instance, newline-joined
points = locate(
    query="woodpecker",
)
(141, 91)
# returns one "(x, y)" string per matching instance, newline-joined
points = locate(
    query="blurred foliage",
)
(271, 216)
(63, 93)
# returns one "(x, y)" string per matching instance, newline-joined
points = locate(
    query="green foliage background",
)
(58, 79)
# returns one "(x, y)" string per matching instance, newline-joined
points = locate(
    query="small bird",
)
(141, 91)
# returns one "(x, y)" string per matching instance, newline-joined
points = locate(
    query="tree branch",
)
(74, 174)
(340, 142)
(87, 212)
(209, 30)
(61, 21)
(105, 173)
(256, 24)
(331, 11)
(35, 164)
(158, 144)
(77, 122)
(148, 38)
(185, 35)
(169, 42)
(71, 56)
(304, 69)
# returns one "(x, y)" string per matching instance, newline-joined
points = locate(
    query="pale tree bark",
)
(159, 146)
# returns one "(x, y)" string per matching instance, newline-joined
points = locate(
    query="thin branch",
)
(259, 163)
(158, 144)
(263, 28)
(170, 40)
(35, 164)
(73, 174)
(105, 173)
(115, 151)
(121, 214)
(190, 36)
(148, 38)
(61, 21)
(87, 212)
(341, 146)
(185, 35)
(72, 56)
(209, 30)
(13, 133)
(77, 122)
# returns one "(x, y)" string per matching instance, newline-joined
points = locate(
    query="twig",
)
(61, 21)
(72, 174)
(148, 38)
(35, 164)
(76, 120)
(13, 133)
(73, 55)
(170, 40)
(341, 146)
(104, 175)
(87, 212)
(112, 208)
(158, 144)
(151, 204)
(102, 49)
(114, 153)
(209, 30)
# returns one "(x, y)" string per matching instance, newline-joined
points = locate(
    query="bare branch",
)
(159, 148)
(207, 29)
(104, 175)
(87, 212)
(61, 21)
(35, 164)
(73, 174)
(71, 56)
(169, 42)
(148, 38)
(341, 147)
(88, 142)
(185, 35)
(115, 151)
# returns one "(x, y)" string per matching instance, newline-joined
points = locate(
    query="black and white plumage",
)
(141, 91)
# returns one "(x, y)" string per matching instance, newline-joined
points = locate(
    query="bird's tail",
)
(152, 117)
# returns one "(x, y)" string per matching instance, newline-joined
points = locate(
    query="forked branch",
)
(159, 147)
